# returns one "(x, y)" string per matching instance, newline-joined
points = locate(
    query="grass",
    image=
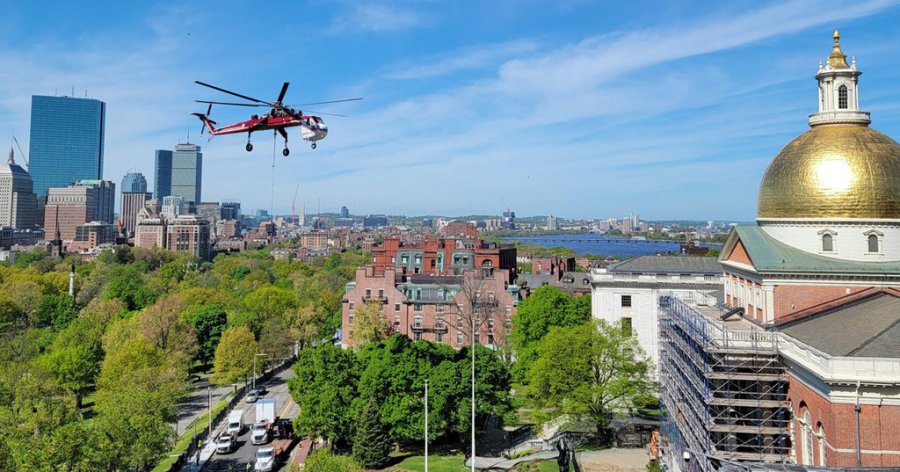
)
(184, 441)
(450, 464)
(435, 464)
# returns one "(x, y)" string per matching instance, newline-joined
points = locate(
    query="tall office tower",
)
(83, 202)
(132, 203)
(162, 174)
(66, 141)
(17, 201)
(134, 182)
(301, 214)
(187, 170)
(345, 212)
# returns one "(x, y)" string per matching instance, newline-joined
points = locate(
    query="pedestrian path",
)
(506, 464)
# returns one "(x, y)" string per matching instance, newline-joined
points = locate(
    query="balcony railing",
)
(375, 298)
(434, 328)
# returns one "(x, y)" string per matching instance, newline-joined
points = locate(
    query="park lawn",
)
(449, 464)
(435, 464)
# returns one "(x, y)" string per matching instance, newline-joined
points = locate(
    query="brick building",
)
(459, 229)
(444, 256)
(80, 203)
(434, 307)
(188, 234)
(315, 241)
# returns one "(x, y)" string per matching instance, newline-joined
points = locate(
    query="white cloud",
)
(478, 57)
(376, 18)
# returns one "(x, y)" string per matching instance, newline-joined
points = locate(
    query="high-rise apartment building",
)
(83, 202)
(66, 141)
(17, 201)
(231, 210)
(345, 212)
(172, 206)
(188, 234)
(187, 170)
(162, 174)
(134, 182)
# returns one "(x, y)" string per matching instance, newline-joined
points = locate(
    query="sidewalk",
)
(206, 452)
(195, 404)
(506, 464)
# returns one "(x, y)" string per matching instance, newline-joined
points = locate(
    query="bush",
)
(323, 461)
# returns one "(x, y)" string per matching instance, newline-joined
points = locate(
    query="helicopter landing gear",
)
(286, 152)
(248, 147)
(313, 145)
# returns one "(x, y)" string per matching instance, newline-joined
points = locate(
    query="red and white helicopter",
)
(312, 128)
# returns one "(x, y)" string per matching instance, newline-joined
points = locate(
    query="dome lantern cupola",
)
(838, 87)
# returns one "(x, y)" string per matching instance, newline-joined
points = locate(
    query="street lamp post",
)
(426, 425)
(209, 411)
(473, 391)
(254, 367)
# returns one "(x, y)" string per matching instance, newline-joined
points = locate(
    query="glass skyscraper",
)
(162, 177)
(66, 141)
(134, 181)
(187, 170)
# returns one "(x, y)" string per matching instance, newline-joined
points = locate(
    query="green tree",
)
(56, 310)
(371, 445)
(234, 355)
(162, 325)
(323, 461)
(545, 308)
(138, 392)
(209, 322)
(369, 325)
(75, 355)
(324, 387)
(590, 371)
(126, 283)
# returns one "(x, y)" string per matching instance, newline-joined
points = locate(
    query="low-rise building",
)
(434, 307)
(444, 256)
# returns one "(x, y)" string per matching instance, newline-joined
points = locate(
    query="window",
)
(873, 243)
(396, 307)
(490, 324)
(842, 97)
(626, 300)
(417, 336)
(397, 321)
(821, 446)
(417, 307)
(806, 428)
(380, 293)
(626, 325)
(417, 322)
(439, 338)
(368, 293)
(491, 339)
(459, 338)
(439, 308)
(404, 260)
(351, 306)
(827, 243)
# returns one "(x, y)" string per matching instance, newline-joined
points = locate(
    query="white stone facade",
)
(850, 239)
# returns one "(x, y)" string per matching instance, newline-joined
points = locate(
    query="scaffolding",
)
(723, 388)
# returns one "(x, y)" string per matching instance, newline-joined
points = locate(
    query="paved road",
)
(195, 405)
(285, 408)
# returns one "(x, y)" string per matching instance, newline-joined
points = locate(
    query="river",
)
(608, 246)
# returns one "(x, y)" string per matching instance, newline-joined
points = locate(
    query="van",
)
(236, 421)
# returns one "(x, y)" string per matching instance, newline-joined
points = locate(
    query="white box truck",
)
(236, 421)
(265, 419)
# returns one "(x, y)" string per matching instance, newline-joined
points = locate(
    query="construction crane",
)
(24, 157)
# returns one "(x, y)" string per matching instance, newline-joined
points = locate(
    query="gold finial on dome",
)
(837, 59)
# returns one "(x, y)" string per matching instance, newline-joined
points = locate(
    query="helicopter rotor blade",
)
(326, 114)
(332, 101)
(229, 92)
(283, 91)
(233, 104)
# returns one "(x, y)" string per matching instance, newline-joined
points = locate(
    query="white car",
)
(265, 459)
(252, 396)
(225, 443)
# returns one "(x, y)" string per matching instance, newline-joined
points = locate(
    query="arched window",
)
(807, 439)
(873, 243)
(827, 243)
(821, 445)
(842, 97)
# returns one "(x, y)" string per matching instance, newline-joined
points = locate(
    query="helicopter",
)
(279, 117)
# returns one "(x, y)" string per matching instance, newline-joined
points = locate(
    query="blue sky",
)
(577, 108)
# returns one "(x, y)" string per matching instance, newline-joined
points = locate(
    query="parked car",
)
(252, 396)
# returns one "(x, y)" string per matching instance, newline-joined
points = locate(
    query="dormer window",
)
(827, 243)
(842, 97)
(873, 241)
(828, 239)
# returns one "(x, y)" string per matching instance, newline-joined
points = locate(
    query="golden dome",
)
(834, 171)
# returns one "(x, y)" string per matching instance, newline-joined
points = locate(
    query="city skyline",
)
(695, 88)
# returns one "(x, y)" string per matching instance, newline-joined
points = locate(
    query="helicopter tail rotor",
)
(208, 112)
